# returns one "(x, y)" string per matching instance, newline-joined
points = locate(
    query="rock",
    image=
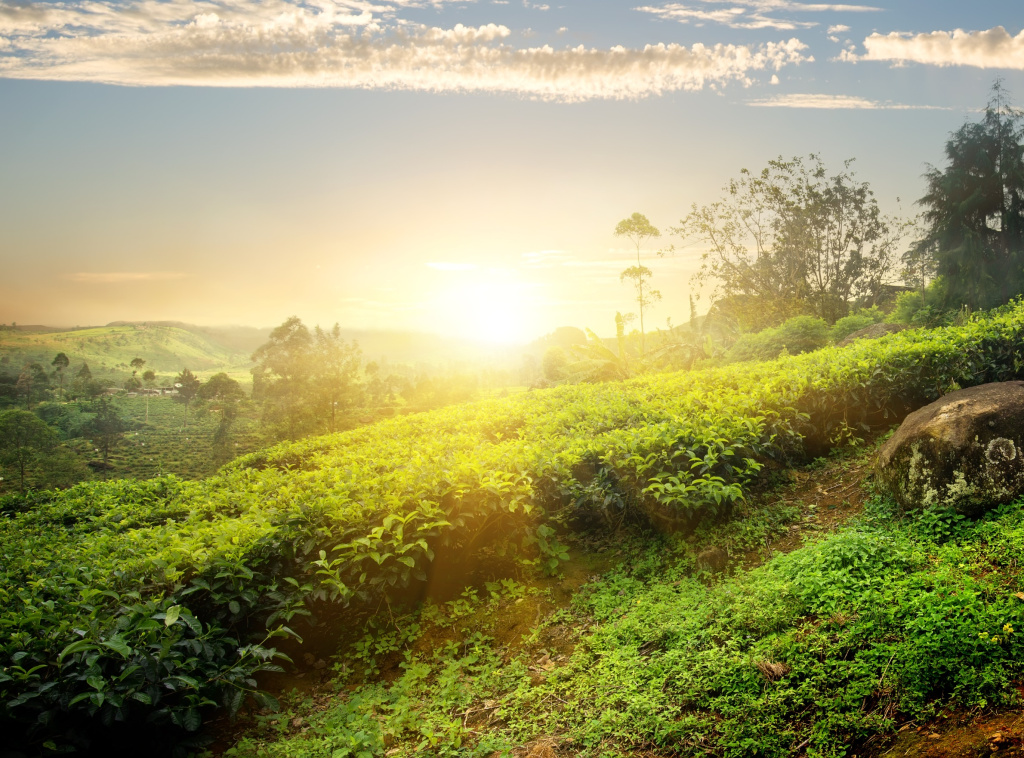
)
(965, 451)
(870, 332)
(714, 559)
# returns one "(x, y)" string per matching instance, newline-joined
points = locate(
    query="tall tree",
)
(107, 428)
(133, 383)
(32, 384)
(83, 384)
(794, 239)
(60, 362)
(225, 394)
(24, 440)
(974, 209)
(149, 377)
(335, 370)
(281, 377)
(187, 385)
(637, 229)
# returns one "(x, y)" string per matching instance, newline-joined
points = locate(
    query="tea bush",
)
(347, 518)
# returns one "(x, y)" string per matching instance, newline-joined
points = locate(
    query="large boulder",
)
(965, 451)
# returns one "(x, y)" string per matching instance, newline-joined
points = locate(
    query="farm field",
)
(215, 578)
(162, 446)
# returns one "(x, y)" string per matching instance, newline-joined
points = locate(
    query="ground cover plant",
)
(159, 599)
(827, 650)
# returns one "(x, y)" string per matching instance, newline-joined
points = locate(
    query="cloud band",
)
(303, 47)
(992, 48)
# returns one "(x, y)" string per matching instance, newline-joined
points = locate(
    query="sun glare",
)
(485, 308)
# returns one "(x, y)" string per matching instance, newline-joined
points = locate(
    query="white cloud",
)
(749, 14)
(993, 48)
(345, 43)
(118, 277)
(838, 29)
(833, 102)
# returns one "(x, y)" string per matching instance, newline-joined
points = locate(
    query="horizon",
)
(447, 168)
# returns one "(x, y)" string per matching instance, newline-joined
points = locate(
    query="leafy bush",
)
(352, 517)
(847, 325)
(799, 334)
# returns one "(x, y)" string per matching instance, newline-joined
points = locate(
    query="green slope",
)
(166, 349)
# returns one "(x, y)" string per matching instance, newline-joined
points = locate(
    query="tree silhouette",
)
(637, 229)
(975, 209)
(61, 362)
(187, 385)
(107, 428)
(24, 438)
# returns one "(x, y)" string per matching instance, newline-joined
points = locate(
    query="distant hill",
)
(110, 349)
(169, 346)
(236, 339)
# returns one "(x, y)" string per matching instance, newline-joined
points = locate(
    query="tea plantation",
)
(127, 602)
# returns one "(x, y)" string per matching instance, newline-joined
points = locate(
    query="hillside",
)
(159, 600)
(166, 349)
(169, 346)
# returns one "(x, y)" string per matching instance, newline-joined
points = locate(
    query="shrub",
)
(800, 334)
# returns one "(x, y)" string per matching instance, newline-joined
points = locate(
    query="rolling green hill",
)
(166, 349)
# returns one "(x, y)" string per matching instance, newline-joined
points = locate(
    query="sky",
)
(454, 167)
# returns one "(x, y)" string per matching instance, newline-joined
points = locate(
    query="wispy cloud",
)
(992, 48)
(347, 43)
(833, 102)
(119, 277)
(748, 14)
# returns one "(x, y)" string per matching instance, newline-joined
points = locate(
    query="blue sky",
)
(444, 166)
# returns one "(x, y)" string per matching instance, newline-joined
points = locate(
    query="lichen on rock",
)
(963, 451)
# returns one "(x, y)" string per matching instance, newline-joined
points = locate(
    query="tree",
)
(84, 384)
(149, 377)
(793, 240)
(554, 363)
(187, 385)
(335, 366)
(106, 428)
(225, 394)
(61, 362)
(24, 440)
(220, 388)
(32, 383)
(974, 209)
(637, 229)
(281, 376)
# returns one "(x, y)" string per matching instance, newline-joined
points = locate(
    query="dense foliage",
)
(793, 239)
(822, 651)
(122, 598)
(974, 210)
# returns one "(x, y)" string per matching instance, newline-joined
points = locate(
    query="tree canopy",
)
(24, 440)
(304, 378)
(794, 239)
(637, 229)
(974, 209)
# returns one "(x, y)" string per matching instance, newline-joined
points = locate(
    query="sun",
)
(488, 307)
